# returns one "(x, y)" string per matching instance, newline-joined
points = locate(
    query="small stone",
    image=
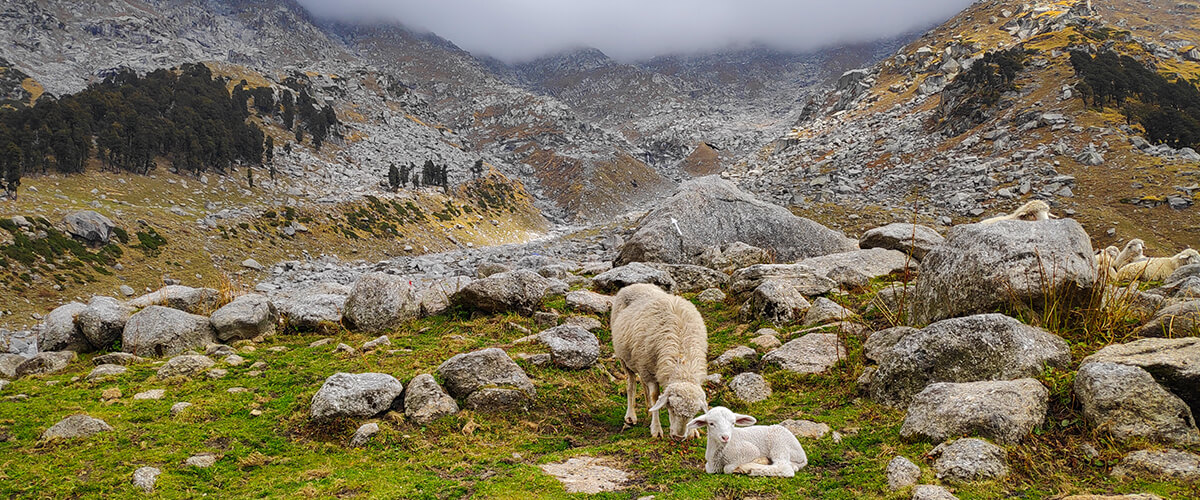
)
(968, 460)
(931, 492)
(153, 394)
(806, 428)
(237, 390)
(256, 413)
(145, 477)
(363, 435)
(234, 360)
(186, 365)
(344, 349)
(177, 408)
(217, 373)
(734, 355)
(766, 342)
(711, 295)
(1168, 464)
(103, 371)
(750, 387)
(201, 461)
(545, 319)
(902, 473)
(110, 394)
(259, 365)
(278, 348)
(320, 343)
(76, 426)
(373, 344)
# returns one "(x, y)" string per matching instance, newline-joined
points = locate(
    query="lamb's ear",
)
(697, 423)
(743, 420)
(658, 405)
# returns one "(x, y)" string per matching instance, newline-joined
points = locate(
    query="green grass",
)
(282, 454)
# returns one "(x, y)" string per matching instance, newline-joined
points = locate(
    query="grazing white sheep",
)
(1133, 252)
(1104, 263)
(1032, 211)
(762, 450)
(662, 339)
(1158, 268)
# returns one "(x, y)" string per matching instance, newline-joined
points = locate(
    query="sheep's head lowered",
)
(683, 400)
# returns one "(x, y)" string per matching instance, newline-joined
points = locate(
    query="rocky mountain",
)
(940, 132)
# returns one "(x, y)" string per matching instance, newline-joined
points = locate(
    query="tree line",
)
(1169, 111)
(430, 174)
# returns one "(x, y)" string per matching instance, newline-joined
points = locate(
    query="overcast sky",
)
(519, 30)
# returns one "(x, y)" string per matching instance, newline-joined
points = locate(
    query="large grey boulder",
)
(984, 267)
(158, 331)
(571, 347)
(692, 278)
(103, 321)
(1173, 465)
(8, 365)
(1176, 320)
(60, 332)
(313, 306)
(349, 395)
(1174, 364)
(709, 211)
(76, 426)
(812, 353)
(968, 460)
(44, 363)
(491, 370)
(89, 226)
(23, 343)
(1003, 411)
(247, 317)
(183, 298)
(777, 301)
(971, 349)
(1126, 402)
(805, 279)
(380, 301)
(631, 274)
(880, 343)
(911, 239)
(426, 401)
(521, 290)
(862, 264)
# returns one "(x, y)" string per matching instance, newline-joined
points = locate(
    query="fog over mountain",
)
(627, 30)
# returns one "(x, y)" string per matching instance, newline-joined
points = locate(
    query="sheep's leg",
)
(630, 397)
(754, 468)
(781, 466)
(651, 398)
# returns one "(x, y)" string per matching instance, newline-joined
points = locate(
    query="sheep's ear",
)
(697, 423)
(658, 405)
(743, 420)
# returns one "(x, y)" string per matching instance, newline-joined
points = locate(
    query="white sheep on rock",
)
(1158, 268)
(761, 450)
(1133, 252)
(1033, 211)
(662, 339)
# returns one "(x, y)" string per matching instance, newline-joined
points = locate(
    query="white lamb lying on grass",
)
(761, 450)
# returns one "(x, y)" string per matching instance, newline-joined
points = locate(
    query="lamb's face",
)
(720, 422)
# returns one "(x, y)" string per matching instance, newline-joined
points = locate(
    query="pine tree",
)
(394, 177)
(477, 169)
(12, 160)
(250, 176)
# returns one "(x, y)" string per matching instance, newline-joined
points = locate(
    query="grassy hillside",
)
(280, 453)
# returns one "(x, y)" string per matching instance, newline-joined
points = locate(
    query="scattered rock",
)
(812, 353)
(354, 395)
(1173, 465)
(824, 311)
(571, 347)
(1004, 411)
(975, 348)
(968, 460)
(983, 267)
(913, 239)
(102, 322)
(1172, 362)
(178, 408)
(587, 475)
(777, 301)
(586, 322)
(364, 434)
(45, 363)
(589, 302)
(162, 331)
(632, 274)
(711, 295)
(1126, 402)
(117, 358)
(76, 426)
(736, 354)
(766, 341)
(89, 226)
(804, 279)
(59, 332)
(806, 428)
(153, 395)
(375, 344)
(234, 360)
(902, 473)
(183, 298)
(186, 365)
(202, 461)
(103, 371)
(425, 401)
(708, 211)
(380, 301)
(865, 265)
(750, 387)
(691, 278)
(486, 370)
(247, 317)
(1176, 320)
(9, 364)
(518, 291)
(145, 477)
(931, 492)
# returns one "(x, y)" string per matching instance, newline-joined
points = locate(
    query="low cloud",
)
(519, 30)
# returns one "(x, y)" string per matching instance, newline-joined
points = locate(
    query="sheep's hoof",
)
(630, 420)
